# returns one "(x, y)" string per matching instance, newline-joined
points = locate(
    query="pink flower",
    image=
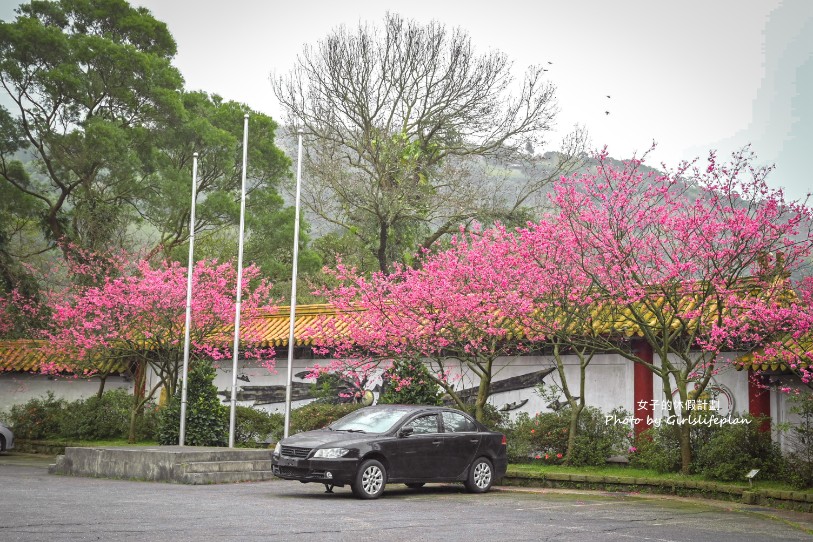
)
(558, 456)
(533, 431)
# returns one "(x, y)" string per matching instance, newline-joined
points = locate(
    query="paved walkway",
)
(38, 506)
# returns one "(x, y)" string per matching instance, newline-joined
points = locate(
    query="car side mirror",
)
(406, 431)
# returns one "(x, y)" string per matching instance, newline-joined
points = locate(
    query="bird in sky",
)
(606, 112)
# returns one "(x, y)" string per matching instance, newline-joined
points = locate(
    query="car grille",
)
(293, 451)
(290, 471)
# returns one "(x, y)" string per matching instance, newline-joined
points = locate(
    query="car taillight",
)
(504, 441)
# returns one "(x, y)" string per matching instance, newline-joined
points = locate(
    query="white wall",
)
(609, 384)
(17, 388)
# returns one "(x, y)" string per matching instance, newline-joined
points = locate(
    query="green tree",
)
(213, 128)
(89, 81)
(207, 419)
(96, 152)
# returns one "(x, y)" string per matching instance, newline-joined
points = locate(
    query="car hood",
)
(321, 438)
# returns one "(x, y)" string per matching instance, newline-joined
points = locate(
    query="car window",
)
(369, 420)
(424, 424)
(457, 423)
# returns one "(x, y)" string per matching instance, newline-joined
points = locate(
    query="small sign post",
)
(750, 477)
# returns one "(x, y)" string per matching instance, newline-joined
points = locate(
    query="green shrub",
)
(98, 418)
(38, 419)
(735, 449)
(596, 439)
(254, 427)
(318, 415)
(544, 437)
(207, 419)
(518, 433)
(657, 449)
(549, 433)
(409, 383)
(95, 418)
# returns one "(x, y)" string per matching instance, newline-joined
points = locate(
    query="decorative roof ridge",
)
(312, 309)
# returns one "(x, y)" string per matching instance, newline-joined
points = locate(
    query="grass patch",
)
(631, 472)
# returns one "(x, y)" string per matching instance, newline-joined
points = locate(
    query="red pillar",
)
(759, 400)
(644, 409)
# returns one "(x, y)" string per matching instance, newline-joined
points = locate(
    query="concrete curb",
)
(795, 500)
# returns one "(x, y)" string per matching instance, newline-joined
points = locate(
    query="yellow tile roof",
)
(31, 355)
(800, 348)
(22, 355)
(274, 328)
(25, 355)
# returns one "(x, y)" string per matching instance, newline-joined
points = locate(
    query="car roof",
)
(413, 408)
(406, 407)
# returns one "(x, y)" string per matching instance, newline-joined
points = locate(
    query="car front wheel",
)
(370, 480)
(481, 476)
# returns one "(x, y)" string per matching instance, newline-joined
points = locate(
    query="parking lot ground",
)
(37, 506)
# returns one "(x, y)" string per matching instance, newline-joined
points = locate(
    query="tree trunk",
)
(573, 430)
(684, 434)
(131, 437)
(102, 381)
(482, 399)
(381, 254)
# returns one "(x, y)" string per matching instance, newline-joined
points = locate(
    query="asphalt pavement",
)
(36, 506)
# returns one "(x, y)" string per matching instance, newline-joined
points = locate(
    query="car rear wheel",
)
(2, 443)
(415, 485)
(481, 476)
(370, 480)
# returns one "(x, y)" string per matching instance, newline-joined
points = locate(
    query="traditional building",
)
(611, 380)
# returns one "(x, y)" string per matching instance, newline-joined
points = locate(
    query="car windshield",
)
(369, 420)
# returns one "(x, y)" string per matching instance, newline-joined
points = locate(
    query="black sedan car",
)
(380, 444)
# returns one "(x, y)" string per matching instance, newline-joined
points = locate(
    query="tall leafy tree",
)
(88, 81)
(97, 148)
(410, 131)
(213, 128)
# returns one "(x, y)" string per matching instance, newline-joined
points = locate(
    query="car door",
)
(419, 454)
(461, 440)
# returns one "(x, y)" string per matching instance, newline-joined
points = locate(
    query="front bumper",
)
(339, 471)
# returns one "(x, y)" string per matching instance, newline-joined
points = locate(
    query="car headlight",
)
(331, 453)
(277, 448)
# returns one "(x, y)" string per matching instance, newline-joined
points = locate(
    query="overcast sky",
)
(691, 75)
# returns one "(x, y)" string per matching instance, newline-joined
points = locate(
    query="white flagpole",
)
(236, 349)
(291, 340)
(182, 431)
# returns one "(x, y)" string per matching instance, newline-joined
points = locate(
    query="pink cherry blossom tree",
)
(681, 259)
(788, 327)
(564, 320)
(136, 315)
(457, 312)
